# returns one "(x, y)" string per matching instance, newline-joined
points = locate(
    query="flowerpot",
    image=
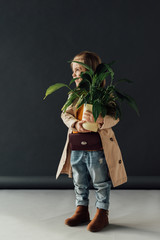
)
(88, 125)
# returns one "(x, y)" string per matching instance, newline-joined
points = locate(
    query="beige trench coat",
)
(110, 145)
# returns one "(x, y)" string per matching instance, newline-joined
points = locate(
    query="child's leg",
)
(98, 169)
(81, 180)
(81, 177)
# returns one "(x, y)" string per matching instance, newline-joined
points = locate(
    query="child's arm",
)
(69, 117)
(69, 120)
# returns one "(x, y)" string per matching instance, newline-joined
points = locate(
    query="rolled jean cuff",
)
(102, 205)
(83, 203)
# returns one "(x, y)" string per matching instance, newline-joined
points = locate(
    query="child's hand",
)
(79, 126)
(88, 116)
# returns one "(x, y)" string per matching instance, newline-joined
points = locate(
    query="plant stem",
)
(73, 91)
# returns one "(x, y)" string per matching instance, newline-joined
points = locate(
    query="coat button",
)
(120, 161)
(111, 139)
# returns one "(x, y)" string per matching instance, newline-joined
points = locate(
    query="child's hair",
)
(89, 58)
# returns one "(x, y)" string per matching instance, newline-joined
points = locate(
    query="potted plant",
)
(95, 97)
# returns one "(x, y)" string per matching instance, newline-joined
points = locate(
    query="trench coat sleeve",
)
(69, 118)
(108, 122)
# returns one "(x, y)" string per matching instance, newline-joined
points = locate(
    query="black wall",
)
(37, 38)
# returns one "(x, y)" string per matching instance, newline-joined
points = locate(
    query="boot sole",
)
(97, 230)
(78, 224)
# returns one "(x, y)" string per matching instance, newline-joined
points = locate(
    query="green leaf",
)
(103, 111)
(129, 99)
(53, 88)
(69, 101)
(132, 103)
(84, 65)
(123, 80)
(96, 109)
(103, 67)
(97, 93)
(73, 80)
(84, 84)
(111, 73)
(120, 95)
(111, 63)
(86, 75)
(118, 112)
(78, 103)
(84, 99)
(100, 78)
(83, 75)
(108, 95)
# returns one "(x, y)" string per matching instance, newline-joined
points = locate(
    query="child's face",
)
(77, 69)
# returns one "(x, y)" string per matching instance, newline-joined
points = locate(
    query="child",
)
(103, 165)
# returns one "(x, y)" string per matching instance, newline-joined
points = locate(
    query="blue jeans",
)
(87, 165)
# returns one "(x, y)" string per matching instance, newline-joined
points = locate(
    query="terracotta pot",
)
(88, 125)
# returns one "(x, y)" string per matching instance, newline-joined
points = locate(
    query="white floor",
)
(40, 214)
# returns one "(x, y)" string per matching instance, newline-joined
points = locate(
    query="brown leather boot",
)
(81, 215)
(99, 221)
